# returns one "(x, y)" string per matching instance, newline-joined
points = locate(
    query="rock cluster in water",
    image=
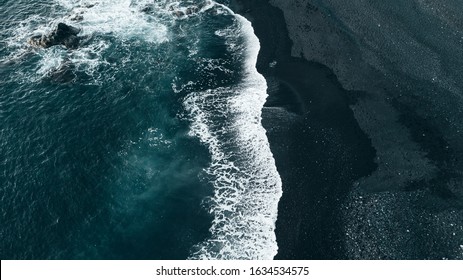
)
(64, 35)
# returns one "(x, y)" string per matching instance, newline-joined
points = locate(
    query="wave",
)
(100, 23)
(247, 186)
(227, 119)
(122, 18)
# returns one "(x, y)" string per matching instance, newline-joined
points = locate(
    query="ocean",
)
(143, 143)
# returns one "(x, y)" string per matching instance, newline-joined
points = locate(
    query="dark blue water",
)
(144, 143)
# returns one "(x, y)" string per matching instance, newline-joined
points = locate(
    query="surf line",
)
(247, 185)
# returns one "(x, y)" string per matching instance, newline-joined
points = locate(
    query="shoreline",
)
(248, 155)
(306, 109)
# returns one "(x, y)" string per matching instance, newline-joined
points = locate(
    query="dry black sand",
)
(365, 174)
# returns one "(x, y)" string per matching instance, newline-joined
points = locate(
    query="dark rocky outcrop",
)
(64, 35)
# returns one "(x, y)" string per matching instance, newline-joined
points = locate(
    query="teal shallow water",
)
(98, 167)
(101, 156)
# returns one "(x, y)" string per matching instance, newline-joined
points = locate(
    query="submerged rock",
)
(64, 34)
(77, 17)
(147, 9)
(63, 74)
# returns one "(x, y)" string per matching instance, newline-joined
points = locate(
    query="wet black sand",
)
(359, 179)
(319, 148)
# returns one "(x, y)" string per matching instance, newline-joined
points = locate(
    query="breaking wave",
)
(247, 186)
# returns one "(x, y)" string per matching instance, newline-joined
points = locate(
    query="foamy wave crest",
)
(124, 19)
(99, 21)
(247, 186)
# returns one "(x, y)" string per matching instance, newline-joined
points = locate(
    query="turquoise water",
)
(144, 143)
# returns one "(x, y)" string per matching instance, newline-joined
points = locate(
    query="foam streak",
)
(247, 186)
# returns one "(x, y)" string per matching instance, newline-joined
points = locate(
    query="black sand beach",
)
(369, 168)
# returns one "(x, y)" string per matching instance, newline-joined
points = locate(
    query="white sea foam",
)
(123, 20)
(120, 19)
(247, 186)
